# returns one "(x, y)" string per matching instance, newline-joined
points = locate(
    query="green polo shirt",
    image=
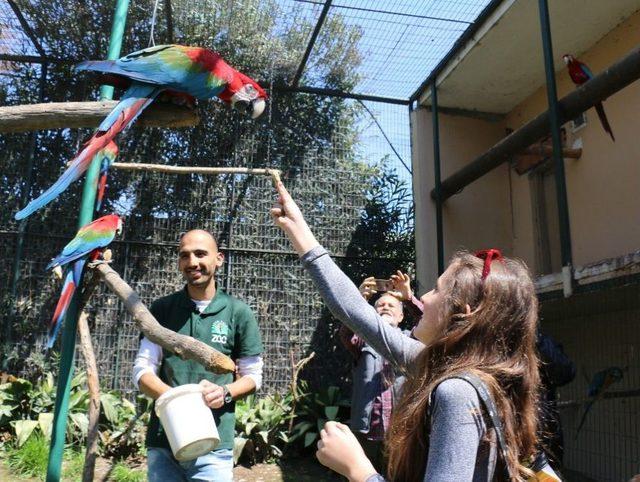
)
(229, 326)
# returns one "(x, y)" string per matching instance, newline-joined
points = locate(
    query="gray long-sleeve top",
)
(460, 447)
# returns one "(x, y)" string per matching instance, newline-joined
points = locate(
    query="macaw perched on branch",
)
(182, 72)
(598, 386)
(88, 241)
(580, 74)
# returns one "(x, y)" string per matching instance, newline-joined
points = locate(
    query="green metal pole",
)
(437, 177)
(67, 354)
(556, 139)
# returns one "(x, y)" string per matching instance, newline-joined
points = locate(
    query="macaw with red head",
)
(176, 70)
(580, 74)
(89, 241)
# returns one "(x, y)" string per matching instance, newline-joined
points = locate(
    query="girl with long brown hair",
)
(473, 354)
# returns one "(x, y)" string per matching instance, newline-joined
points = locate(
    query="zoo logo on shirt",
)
(219, 332)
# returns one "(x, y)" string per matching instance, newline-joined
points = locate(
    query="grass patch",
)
(31, 459)
(123, 473)
(72, 465)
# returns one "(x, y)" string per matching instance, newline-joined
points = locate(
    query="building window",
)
(579, 122)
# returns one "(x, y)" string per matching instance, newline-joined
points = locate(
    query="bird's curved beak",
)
(257, 107)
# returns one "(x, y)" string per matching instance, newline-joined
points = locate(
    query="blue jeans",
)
(216, 466)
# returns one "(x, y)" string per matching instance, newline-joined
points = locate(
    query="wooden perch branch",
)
(184, 346)
(274, 173)
(86, 348)
(60, 115)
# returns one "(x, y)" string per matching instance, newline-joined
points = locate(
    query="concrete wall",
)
(478, 217)
(603, 183)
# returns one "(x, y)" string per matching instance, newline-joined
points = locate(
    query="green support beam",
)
(556, 139)
(437, 176)
(67, 354)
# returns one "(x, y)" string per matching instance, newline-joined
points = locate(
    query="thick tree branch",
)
(184, 346)
(60, 115)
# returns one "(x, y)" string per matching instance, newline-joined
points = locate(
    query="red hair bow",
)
(488, 255)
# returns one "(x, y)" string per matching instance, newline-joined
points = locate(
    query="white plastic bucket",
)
(187, 421)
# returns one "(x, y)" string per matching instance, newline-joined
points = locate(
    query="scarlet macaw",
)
(175, 69)
(88, 241)
(580, 74)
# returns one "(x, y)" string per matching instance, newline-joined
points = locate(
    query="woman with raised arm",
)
(468, 410)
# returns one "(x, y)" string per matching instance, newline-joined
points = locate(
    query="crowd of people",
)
(467, 394)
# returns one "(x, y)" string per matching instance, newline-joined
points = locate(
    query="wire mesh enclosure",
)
(337, 159)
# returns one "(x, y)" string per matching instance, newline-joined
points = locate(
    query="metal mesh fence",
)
(598, 332)
(328, 175)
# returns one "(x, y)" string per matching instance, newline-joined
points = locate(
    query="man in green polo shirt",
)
(227, 324)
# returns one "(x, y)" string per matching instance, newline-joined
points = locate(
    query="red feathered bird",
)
(580, 74)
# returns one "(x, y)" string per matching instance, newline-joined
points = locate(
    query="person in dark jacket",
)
(556, 370)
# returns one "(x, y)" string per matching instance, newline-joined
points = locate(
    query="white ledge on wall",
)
(607, 269)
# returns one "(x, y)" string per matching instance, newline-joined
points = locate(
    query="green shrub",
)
(313, 410)
(26, 409)
(261, 426)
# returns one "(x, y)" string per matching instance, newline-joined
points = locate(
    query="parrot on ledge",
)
(88, 241)
(580, 73)
(175, 70)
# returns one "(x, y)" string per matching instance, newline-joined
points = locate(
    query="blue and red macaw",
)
(580, 73)
(177, 70)
(89, 241)
(598, 386)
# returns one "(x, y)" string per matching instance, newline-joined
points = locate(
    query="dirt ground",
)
(295, 470)
(292, 470)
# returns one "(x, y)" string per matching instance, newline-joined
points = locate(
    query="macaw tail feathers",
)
(133, 102)
(72, 173)
(584, 415)
(109, 154)
(603, 120)
(102, 186)
(71, 282)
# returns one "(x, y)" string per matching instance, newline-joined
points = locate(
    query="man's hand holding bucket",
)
(213, 394)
